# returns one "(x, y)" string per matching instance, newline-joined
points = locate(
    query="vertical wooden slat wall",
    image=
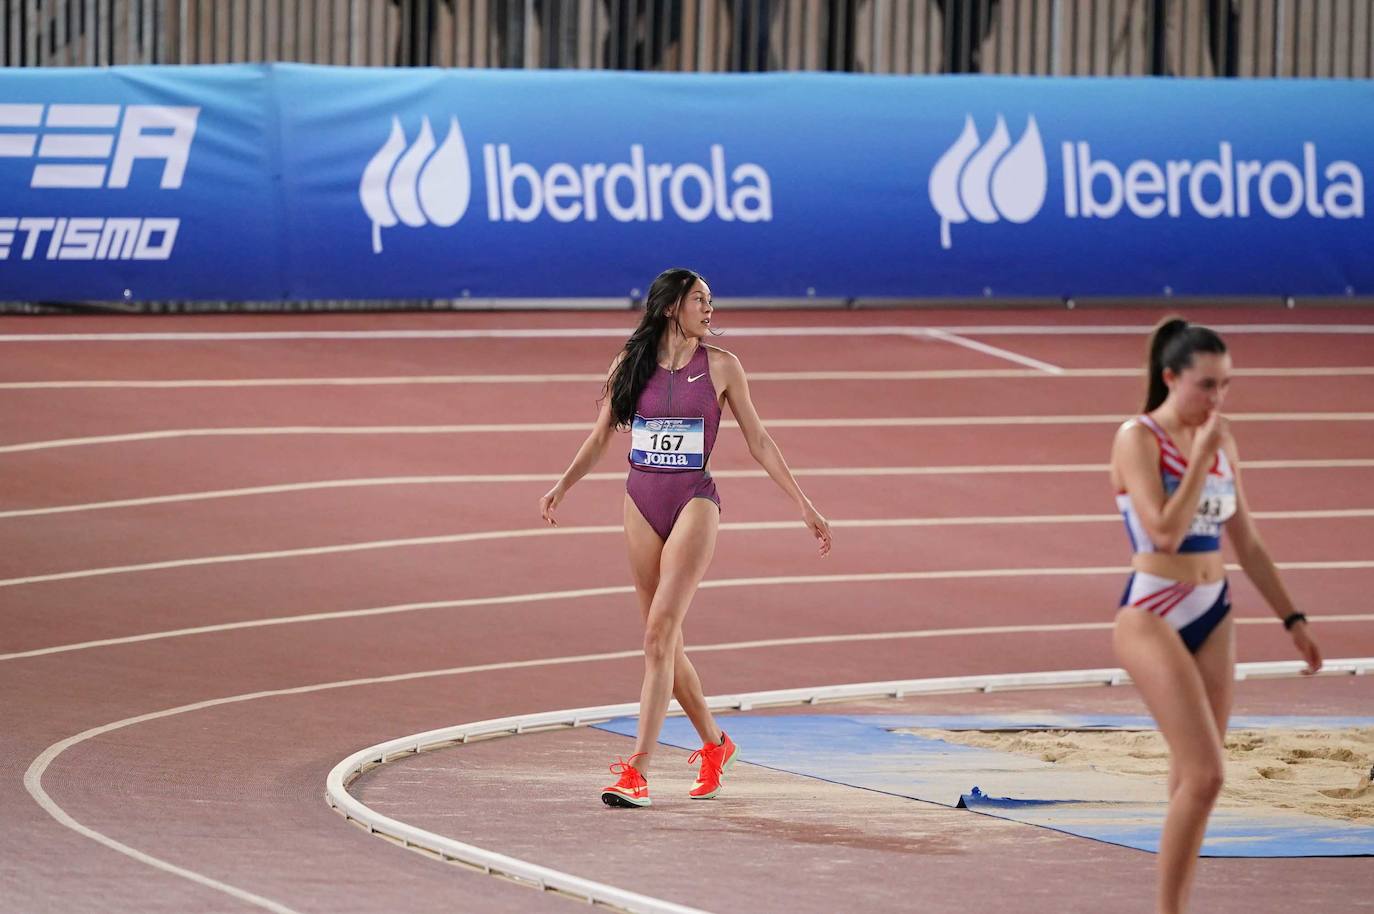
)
(1198, 38)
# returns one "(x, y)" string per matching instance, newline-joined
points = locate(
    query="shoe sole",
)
(723, 768)
(619, 800)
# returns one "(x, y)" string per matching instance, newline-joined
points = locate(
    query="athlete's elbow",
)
(761, 446)
(1166, 540)
(600, 438)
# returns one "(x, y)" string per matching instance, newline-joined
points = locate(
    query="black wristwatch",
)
(1293, 619)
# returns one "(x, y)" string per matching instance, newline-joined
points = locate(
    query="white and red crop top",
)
(1216, 506)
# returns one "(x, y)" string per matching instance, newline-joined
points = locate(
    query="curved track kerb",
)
(548, 879)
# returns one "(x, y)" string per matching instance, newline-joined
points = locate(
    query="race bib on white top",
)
(1216, 507)
(672, 444)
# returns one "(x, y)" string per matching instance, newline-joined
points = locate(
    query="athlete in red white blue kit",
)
(1176, 472)
(667, 387)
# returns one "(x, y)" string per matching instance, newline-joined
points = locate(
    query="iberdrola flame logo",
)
(419, 185)
(997, 181)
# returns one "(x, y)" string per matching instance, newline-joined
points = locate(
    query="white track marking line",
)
(237, 432)
(378, 381)
(526, 333)
(409, 542)
(1125, 330)
(1110, 418)
(934, 374)
(499, 478)
(623, 590)
(325, 616)
(916, 634)
(33, 776)
(33, 783)
(514, 427)
(531, 532)
(995, 351)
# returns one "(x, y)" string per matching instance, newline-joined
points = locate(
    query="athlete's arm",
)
(765, 451)
(1260, 569)
(588, 455)
(1166, 518)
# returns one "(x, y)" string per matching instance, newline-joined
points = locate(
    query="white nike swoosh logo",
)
(697, 378)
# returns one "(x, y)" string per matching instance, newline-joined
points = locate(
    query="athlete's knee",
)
(1202, 780)
(660, 640)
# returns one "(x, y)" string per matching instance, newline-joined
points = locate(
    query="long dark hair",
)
(641, 349)
(1172, 345)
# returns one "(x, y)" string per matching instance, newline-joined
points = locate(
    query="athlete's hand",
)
(819, 526)
(1209, 438)
(1307, 648)
(550, 501)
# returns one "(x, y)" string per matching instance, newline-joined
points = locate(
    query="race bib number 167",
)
(677, 444)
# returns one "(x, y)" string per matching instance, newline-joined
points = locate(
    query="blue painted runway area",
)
(862, 751)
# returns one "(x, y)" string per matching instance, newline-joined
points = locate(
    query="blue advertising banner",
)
(289, 181)
(139, 183)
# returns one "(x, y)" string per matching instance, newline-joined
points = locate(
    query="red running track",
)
(233, 793)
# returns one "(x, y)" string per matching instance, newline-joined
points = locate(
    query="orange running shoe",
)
(632, 790)
(715, 761)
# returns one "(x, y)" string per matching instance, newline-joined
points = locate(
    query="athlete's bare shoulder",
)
(1134, 437)
(726, 371)
(1133, 429)
(722, 358)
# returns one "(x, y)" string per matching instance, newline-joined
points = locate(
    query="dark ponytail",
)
(1172, 345)
(641, 349)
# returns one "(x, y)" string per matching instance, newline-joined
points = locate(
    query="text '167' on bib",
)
(670, 444)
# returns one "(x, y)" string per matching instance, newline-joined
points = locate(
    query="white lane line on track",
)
(1120, 329)
(499, 478)
(530, 532)
(995, 351)
(33, 783)
(33, 776)
(516, 427)
(934, 374)
(625, 590)
(527, 333)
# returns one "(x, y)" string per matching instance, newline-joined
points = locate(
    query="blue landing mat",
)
(862, 751)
